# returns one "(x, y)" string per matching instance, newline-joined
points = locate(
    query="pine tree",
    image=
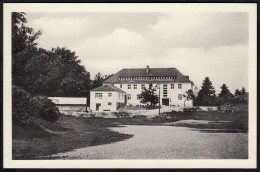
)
(241, 96)
(206, 96)
(225, 96)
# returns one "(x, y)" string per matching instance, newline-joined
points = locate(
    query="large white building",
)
(171, 84)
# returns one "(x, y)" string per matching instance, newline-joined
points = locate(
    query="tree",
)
(22, 36)
(241, 96)
(225, 96)
(23, 47)
(148, 95)
(56, 73)
(206, 96)
(98, 80)
(188, 96)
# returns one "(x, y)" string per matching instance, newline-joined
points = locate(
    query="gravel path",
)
(166, 142)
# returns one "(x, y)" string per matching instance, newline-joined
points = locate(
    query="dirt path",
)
(166, 142)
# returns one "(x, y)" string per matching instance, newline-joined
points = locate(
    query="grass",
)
(31, 142)
(229, 122)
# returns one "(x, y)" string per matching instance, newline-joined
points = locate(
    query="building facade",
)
(170, 84)
(66, 104)
(107, 98)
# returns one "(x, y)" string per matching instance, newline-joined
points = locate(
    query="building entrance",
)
(165, 101)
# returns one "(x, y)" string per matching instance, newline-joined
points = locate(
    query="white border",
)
(177, 8)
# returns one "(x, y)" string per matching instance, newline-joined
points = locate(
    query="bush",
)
(21, 108)
(45, 108)
(190, 109)
(26, 107)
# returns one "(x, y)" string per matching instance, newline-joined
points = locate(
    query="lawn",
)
(32, 142)
(217, 122)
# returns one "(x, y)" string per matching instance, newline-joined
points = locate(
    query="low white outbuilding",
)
(78, 104)
(107, 98)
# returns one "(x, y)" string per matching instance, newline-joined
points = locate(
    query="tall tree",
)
(23, 46)
(206, 96)
(225, 96)
(57, 73)
(241, 96)
(22, 36)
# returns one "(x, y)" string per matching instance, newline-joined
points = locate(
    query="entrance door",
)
(97, 106)
(165, 101)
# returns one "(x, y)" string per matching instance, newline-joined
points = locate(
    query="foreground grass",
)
(32, 142)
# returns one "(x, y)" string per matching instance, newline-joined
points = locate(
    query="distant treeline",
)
(207, 95)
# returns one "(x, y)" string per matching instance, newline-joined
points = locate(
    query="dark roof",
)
(154, 72)
(108, 87)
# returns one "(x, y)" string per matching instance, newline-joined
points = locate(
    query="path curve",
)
(166, 142)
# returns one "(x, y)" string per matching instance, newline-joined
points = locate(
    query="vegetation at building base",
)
(149, 96)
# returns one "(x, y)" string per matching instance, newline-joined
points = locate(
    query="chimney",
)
(147, 69)
(187, 76)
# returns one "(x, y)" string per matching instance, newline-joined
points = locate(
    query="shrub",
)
(21, 109)
(45, 108)
(26, 107)
(190, 109)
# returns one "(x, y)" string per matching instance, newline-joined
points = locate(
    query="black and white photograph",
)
(165, 82)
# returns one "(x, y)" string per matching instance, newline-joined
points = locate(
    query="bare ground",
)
(166, 142)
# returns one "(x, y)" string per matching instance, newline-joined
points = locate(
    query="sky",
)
(198, 45)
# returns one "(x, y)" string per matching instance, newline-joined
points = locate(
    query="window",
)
(179, 86)
(164, 90)
(179, 97)
(109, 94)
(109, 103)
(129, 86)
(129, 97)
(135, 86)
(138, 97)
(172, 86)
(143, 86)
(98, 95)
(120, 85)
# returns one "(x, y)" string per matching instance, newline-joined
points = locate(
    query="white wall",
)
(69, 100)
(172, 94)
(116, 98)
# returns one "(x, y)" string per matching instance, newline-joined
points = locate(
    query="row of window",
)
(129, 86)
(100, 95)
(148, 78)
(138, 97)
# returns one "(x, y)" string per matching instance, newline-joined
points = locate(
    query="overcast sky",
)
(199, 45)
